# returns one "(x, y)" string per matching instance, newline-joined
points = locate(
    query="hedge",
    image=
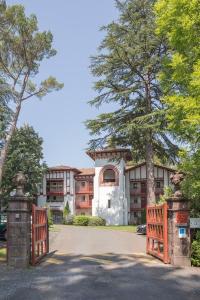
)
(88, 221)
(195, 255)
(96, 221)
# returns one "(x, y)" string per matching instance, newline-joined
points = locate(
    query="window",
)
(109, 203)
(143, 186)
(135, 200)
(109, 175)
(134, 185)
(47, 198)
(54, 198)
(135, 214)
(82, 183)
(83, 198)
(158, 184)
(90, 197)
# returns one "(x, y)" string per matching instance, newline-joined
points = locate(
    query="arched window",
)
(109, 175)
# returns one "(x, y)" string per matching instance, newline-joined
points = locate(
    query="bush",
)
(96, 221)
(68, 220)
(50, 217)
(81, 220)
(195, 255)
(88, 221)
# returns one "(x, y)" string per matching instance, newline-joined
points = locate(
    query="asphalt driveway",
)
(73, 271)
(88, 240)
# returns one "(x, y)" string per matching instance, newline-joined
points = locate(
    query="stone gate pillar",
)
(178, 225)
(19, 226)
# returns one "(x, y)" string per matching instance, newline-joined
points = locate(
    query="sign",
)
(182, 217)
(194, 222)
(182, 232)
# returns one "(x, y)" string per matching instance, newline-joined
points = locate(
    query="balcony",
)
(83, 204)
(55, 193)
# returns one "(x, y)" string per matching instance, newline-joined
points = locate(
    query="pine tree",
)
(127, 66)
(22, 48)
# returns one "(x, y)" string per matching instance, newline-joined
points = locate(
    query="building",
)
(110, 190)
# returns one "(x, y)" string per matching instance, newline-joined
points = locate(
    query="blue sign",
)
(182, 232)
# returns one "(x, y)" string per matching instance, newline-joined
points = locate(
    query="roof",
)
(87, 171)
(125, 152)
(129, 168)
(63, 168)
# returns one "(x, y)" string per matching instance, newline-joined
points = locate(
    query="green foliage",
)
(127, 68)
(195, 254)
(22, 49)
(96, 221)
(50, 217)
(190, 164)
(168, 192)
(143, 216)
(88, 221)
(81, 220)
(66, 211)
(69, 220)
(25, 154)
(178, 22)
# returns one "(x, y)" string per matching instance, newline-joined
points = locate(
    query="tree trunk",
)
(150, 169)
(4, 151)
(149, 148)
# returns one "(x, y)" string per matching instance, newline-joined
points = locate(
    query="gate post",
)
(19, 226)
(178, 225)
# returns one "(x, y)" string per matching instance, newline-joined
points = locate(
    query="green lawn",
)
(128, 228)
(2, 254)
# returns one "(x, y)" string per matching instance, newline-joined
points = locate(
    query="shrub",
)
(81, 220)
(195, 255)
(68, 220)
(50, 217)
(96, 221)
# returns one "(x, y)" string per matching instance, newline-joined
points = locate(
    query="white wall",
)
(117, 214)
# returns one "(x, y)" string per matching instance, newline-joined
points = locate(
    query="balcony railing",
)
(83, 204)
(84, 190)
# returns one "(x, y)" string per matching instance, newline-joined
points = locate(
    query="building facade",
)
(110, 190)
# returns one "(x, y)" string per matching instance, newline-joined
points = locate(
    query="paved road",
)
(87, 240)
(99, 277)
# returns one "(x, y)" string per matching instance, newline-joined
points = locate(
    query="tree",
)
(25, 153)
(22, 48)
(178, 21)
(127, 66)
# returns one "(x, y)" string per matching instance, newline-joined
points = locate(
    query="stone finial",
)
(20, 180)
(176, 179)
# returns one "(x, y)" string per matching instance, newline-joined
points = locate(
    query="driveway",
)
(87, 240)
(73, 271)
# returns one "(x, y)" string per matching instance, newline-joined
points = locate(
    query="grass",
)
(54, 228)
(2, 254)
(127, 228)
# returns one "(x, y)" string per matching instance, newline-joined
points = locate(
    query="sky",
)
(59, 117)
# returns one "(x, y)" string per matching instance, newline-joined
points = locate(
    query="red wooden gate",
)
(157, 236)
(40, 236)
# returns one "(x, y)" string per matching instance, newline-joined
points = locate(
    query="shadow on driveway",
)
(109, 276)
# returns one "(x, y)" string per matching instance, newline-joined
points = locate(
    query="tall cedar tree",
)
(25, 153)
(22, 48)
(127, 65)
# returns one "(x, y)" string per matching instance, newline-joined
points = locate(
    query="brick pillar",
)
(19, 227)
(178, 226)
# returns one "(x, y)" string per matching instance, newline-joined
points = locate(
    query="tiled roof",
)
(87, 171)
(63, 168)
(129, 168)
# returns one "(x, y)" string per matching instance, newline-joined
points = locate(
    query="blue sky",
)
(59, 117)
